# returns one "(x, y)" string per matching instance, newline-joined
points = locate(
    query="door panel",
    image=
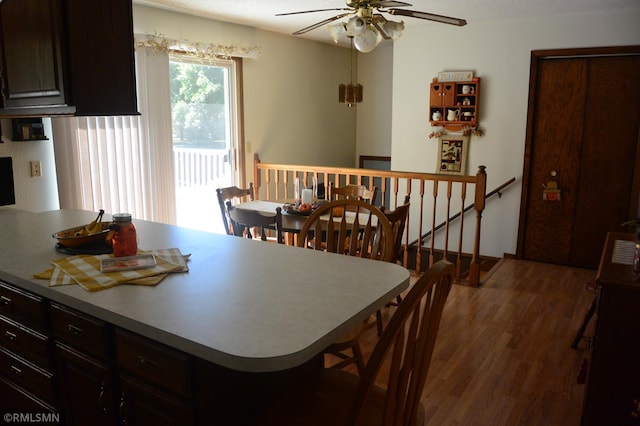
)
(608, 154)
(556, 148)
(583, 123)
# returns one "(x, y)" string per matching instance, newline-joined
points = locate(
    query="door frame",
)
(536, 57)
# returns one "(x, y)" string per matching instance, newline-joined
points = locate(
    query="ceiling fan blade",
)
(388, 3)
(319, 24)
(428, 16)
(312, 11)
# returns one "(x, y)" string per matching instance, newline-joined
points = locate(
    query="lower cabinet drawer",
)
(154, 363)
(25, 342)
(81, 331)
(27, 375)
(26, 308)
(16, 398)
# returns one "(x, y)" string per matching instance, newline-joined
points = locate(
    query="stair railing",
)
(276, 182)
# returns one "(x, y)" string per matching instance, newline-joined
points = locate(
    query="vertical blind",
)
(122, 163)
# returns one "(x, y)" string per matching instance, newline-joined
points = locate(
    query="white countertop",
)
(246, 305)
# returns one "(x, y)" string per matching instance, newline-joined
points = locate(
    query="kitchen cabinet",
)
(84, 367)
(95, 374)
(454, 104)
(87, 388)
(155, 382)
(26, 368)
(67, 57)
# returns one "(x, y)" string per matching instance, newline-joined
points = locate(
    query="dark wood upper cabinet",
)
(67, 57)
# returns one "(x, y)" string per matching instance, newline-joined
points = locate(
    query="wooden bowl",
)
(69, 237)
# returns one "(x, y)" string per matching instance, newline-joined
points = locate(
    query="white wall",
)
(32, 193)
(375, 73)
(499, 53)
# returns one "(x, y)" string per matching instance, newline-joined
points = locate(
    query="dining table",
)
(244, 307)
(293, 221)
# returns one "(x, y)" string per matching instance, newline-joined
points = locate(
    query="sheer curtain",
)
(122, 163)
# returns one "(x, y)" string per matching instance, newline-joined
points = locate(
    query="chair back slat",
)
(351, 227)
(410, 338)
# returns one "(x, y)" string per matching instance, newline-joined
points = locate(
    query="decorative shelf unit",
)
(28, 129)
(456, 102)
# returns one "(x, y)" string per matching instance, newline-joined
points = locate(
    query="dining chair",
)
(400, 359)
(358, 192)
(354, 228)
(244, 221)
(398, 219)
(232, 193)
(351, 227)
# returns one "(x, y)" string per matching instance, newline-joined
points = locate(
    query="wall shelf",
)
(454, 104)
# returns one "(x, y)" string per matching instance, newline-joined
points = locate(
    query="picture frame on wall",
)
(452, 154)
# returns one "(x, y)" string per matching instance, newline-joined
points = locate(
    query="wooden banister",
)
(276, 181)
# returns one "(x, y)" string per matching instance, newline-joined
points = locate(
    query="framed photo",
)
(452, 154)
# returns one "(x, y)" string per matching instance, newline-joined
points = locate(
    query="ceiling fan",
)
(367, 26)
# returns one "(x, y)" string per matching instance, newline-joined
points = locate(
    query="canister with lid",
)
(125, 239)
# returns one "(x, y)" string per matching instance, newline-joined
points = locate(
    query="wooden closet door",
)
(583, 125)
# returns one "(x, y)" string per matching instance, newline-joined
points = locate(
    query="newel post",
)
(480, 197)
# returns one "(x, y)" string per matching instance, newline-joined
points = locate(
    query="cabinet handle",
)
(5, 301)
(16, 371)
(101, 399)
(148, 362)
(121, 409)
(76, 331)
(11, 336)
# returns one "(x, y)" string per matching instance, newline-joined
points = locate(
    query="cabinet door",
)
(143, 405)
(87, 390)
(100, 37)
(442, 94)
(31, 50)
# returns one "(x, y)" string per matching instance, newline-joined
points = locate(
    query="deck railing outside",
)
(197, 166)
(434, 199)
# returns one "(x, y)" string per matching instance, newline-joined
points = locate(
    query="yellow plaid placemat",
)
(85, 271)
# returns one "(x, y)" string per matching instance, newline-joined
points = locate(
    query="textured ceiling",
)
(261, 13)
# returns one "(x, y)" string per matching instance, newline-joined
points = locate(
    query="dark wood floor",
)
(503, 353)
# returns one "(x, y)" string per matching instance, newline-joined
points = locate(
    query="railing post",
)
(480, 195)
(256, 176)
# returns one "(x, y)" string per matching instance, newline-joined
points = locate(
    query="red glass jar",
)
(125, 239)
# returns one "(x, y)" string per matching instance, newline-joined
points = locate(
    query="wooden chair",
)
(232, 193)
(354, 228)
(351, 227)
(357, 192)
(398, 219)
(243, 221)
(336, 397)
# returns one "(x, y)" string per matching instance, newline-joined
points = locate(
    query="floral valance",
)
(202, 52)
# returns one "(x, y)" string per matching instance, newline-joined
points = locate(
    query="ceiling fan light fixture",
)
(393, 29)
(337, 31)
(368, 40)
(356, 25)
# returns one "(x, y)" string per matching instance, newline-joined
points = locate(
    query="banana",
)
(95, 226)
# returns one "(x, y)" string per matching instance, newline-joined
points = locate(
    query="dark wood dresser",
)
(614, 368)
